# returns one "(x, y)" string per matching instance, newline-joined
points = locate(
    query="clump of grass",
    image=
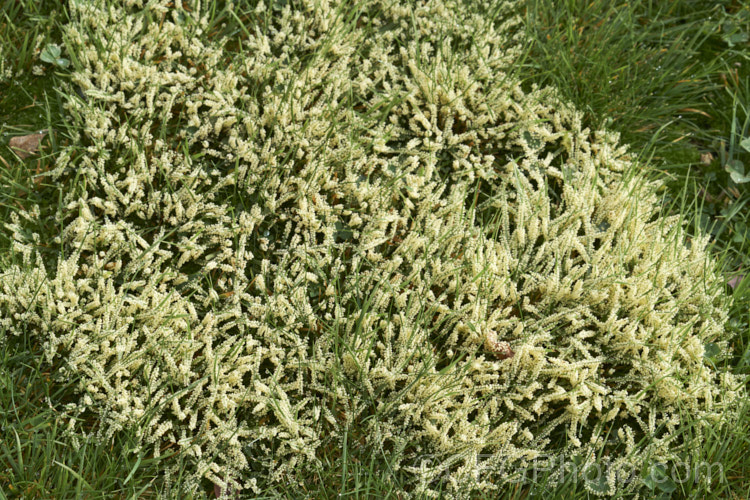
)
(293, 245)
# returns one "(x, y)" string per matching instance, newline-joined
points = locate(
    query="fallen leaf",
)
(707, 158)
(501, 349)
(735, 281)
(26, 145)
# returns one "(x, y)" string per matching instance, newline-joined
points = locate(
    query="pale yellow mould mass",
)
(351, 217)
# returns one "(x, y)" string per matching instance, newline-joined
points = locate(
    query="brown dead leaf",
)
(707, 158)
(26, 145)
(734, 282)
(500, 348)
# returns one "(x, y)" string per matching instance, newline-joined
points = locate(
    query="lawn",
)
(357, 249)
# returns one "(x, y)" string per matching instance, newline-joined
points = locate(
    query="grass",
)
(672, 77)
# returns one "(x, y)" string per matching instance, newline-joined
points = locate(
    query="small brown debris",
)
(26, 145)
(500, 348)
(230, 492)
(734, 282)
(707, 158)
